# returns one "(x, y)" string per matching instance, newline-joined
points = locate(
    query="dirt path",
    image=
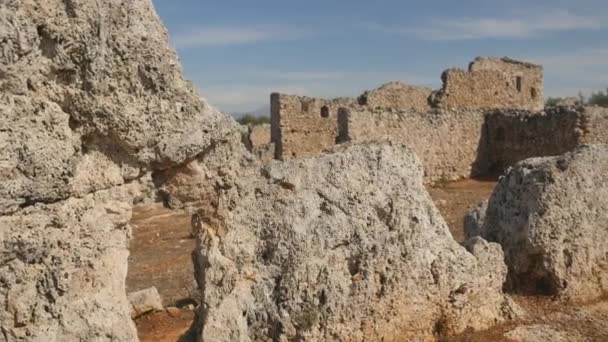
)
(160, 253)
(454, 199)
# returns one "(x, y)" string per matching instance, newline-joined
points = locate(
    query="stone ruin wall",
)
(300, 129)
(492, 83)
(515, 136)
(398, 96)
(304, 126)
(595, 126)
(446, 143)
(455, 145)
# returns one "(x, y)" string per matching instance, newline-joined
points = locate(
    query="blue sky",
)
(238, 52)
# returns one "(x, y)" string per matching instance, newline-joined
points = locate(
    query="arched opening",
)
(518, 83)
(324, 112)
(533, 93)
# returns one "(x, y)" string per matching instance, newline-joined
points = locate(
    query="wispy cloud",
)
(226, 36)
(513, 26)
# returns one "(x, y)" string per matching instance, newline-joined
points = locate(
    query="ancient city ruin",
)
(319, 227)
(480, 122)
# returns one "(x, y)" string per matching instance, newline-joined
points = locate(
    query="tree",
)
(552, 101)
(253, 120)
(599, 98)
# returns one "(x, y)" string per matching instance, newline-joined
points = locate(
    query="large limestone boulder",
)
(343, 246)
(91, 100)
(63, 268)
(83, 80)
(551, 217)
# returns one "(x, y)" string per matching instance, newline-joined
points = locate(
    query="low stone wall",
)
(446, 142)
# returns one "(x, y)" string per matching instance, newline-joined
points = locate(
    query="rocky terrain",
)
(92, 99)
(347, 245)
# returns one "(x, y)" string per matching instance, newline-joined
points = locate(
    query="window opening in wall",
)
(518, 83)
(325, 112)
(533, 92)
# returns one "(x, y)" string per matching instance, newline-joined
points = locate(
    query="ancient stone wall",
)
(595, 125)
(492, 83)
(460, 144)
(399, 96)
(514, 136)
(303, 126)
(446, 142)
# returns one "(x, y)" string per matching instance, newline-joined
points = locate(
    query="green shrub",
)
(253, 120)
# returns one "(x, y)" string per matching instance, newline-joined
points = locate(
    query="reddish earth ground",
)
(453, 200)
(162, 244)
(160, 253)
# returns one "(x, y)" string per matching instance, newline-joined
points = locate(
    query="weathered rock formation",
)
(343, 246)
(550, 216)
(91, 99)
(257, 140)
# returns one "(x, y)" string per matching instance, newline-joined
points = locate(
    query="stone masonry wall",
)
(399, 96)
(446, 142)
(492, 83)
(460, 144)
(303, 126)
(595, 125)
(515, 136)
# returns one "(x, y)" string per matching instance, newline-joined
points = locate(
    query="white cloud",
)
(225, 36)
(514, 26)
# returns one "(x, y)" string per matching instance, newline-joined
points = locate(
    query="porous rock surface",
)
(91, 100)
(343, 246)
(550, 216)
(144, 301)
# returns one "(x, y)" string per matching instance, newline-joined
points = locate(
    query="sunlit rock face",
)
(91, 99)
